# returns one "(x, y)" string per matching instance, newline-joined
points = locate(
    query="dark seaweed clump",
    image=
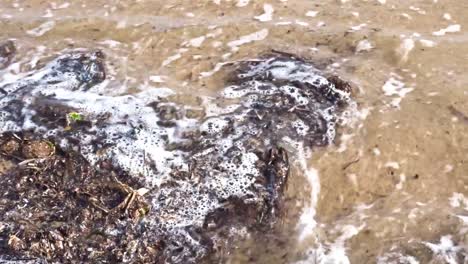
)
(69, 199)
(57, 207)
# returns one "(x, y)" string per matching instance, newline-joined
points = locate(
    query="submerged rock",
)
(140, 178)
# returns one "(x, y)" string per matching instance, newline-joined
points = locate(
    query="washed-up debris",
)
(59, 207)
(7, 51)
(458, 114)
(133, 179)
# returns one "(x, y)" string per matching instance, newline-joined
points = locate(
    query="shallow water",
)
(392, 189)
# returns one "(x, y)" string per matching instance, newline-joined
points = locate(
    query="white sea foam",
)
(158, 78)
(217, 67)
(41, 29)
(111, 43)
(393, 165)
(312, 13)
(174, 57)
(242, 3)
(449, 29)
(445, 250)
(195, 42)
(334, 252)
(394, 87)
(64, 5)
(427, 43)
(459, 200)
(307, 222)
(283, 23)
(256, 36)
(396, 258)
(358, 27)
(406, 46)
(363, 46)
(267, 15)
(301, 23)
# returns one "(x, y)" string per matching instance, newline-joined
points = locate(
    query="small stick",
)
(351, 163)
(458, 113)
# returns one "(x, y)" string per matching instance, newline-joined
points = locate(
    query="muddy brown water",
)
(393, 187)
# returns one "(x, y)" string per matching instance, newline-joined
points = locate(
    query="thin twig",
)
(356, 160)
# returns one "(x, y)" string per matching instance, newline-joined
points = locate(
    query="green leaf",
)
(74, 116)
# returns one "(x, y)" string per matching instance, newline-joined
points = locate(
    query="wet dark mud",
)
(134, 178)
